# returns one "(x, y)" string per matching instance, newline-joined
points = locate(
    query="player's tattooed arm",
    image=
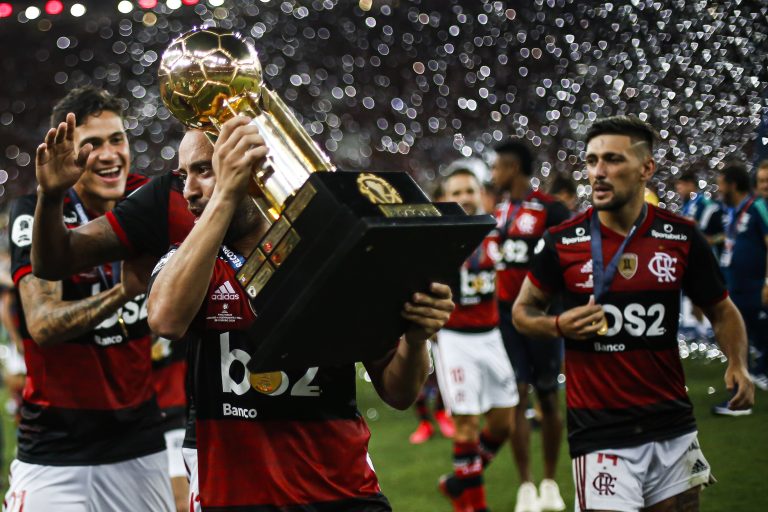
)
(51, 320)
(529, 312)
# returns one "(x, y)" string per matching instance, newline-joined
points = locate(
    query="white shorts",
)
(190, 462)
(173, 441)
(136, 484)
(630, 479)
(474, 372)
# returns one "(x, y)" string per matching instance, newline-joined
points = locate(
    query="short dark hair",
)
(515, 146)
(633, 127)
(83, 102)
(736, 174)
(763, 164)
(689, 177)
(562, 183)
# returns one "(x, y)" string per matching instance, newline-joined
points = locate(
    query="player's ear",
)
(648, 168)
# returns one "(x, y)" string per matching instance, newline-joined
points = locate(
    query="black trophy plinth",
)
(329, 279)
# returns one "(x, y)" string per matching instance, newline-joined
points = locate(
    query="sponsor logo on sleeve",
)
(21, 232)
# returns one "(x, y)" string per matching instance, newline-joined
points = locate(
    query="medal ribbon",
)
(82, 218)
(227, 254)
(602, 276)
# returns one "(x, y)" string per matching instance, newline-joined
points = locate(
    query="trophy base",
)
(335, 275)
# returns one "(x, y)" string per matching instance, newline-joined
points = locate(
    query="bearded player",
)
(620, 267)
(299, 442)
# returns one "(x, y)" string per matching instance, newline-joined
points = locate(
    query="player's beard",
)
(617, 202)
(245, 221)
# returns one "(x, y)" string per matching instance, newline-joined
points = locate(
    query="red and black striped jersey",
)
(518, 227)
(627, 387)
(150, 221)
(288, 439)
(474, 292)
(88, 400)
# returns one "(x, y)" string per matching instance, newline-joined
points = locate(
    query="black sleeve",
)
(545, 271)
(21, 218)
(557, 212)
(141, 219)
(703, 283)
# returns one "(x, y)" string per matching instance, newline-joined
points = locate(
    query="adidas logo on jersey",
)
(226, 292)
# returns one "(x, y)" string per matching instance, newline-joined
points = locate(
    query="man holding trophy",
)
(274, 438)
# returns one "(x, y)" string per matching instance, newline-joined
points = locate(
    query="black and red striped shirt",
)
(628, 388)
(148, 222)
(474, 293)
(518, 227)
(268, 441)
(88, 400)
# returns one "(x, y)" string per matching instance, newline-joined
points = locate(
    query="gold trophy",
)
(331, 265)
(210, 75)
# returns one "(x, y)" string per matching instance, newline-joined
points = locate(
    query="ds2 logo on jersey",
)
(279, 380)
(635, 319)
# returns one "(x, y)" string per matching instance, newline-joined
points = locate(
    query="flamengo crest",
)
(662, 265)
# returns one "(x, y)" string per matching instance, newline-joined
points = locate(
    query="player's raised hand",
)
(238, 151)
(58, 165)
(427, 312)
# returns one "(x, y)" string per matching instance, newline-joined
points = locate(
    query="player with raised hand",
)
(143, 225)
(90, 436)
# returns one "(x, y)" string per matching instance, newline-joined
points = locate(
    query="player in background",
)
(744, 265)
(521, 220)
(620, 267)
(563, 188)
(425, 430)
(285, 439)
(472, 366)
(90, 436)
(708, 215)
(761, 180)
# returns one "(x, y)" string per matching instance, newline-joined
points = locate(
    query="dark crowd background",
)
(413, 84)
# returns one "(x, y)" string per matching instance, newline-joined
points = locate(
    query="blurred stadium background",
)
(411, 85)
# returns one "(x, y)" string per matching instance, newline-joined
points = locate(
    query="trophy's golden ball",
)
(202, 69)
